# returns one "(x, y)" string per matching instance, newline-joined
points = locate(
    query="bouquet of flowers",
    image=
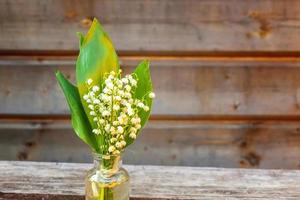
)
(108, 110)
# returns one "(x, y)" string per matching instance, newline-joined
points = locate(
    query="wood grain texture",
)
(208, 25)
(151, 182)
(230, 67)
(247, 144)
(209, 88)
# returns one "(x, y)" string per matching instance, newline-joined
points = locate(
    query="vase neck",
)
(107, 164)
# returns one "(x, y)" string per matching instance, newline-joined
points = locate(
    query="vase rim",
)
(100, 156)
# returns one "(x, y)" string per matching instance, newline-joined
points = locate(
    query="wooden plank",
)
(248, 144)
(208, 25)
(209, 88)
(58, 180)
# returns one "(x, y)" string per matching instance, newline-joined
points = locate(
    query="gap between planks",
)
(195, 118)
(161, 55)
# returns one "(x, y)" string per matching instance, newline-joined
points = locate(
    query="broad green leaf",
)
(97, 57)
(144, 87)
(80, 122)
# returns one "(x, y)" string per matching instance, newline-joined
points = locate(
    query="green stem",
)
(107, 191)
(110, 195)
(102, 193)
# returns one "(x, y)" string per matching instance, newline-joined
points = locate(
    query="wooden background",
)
(226, 75)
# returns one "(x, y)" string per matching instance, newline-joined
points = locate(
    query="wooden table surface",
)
(39, 180)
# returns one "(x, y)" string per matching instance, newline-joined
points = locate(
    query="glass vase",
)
(107, 180)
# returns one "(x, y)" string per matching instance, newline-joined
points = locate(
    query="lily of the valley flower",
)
(115, 110)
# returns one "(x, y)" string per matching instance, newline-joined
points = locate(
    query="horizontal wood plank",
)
(58, 180)
(248, 144)
(208, 25)
(208, 87)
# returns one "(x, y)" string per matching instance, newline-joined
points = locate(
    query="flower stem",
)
(102, 193)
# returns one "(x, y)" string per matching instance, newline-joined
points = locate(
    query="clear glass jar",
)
(107, 180)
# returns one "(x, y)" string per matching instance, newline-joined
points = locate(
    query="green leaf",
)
(97, 57)
(80, 122)
(81, 39)
(144, 87)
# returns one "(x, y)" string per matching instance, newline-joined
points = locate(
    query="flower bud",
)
(151, 95)
(132, 135)
(111, 149)
(89, 81)
(95, 88)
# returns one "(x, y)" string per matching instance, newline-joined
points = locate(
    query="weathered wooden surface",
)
(57, 180)
(229, 69)
(209, 88)
(248, 144)
(209, 25)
